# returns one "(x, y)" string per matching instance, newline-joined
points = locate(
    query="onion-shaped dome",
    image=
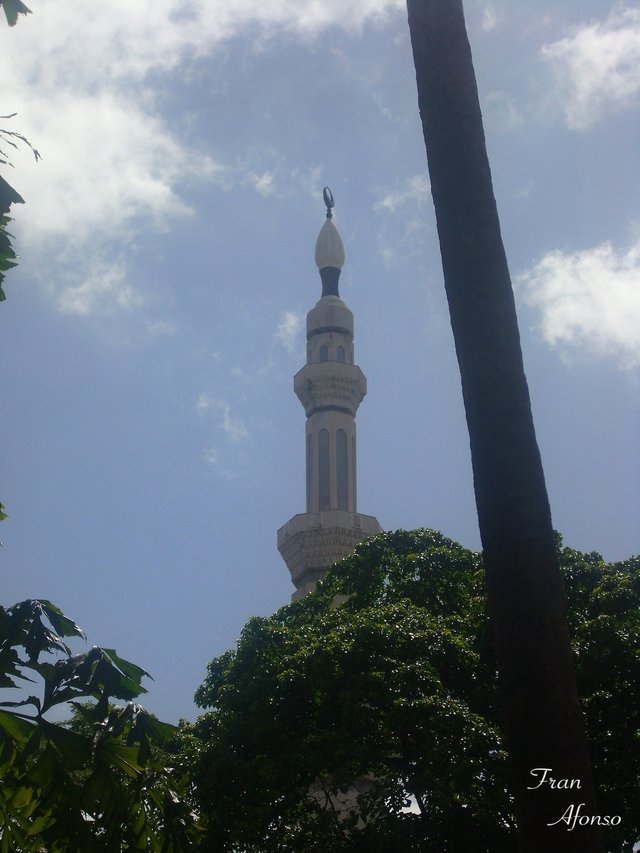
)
(329, 248)
(329, 257)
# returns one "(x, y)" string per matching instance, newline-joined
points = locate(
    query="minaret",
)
(330, 387)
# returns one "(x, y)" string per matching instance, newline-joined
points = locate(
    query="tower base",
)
(311, 542)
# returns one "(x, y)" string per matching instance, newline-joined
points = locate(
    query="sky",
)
(152, 443)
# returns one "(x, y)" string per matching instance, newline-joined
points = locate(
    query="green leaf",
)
(74, 749)
(133, 672)
(40, 824)
(107, 673)
(93, 712)
(13, 8)
(9, 662)
(121, 756)
(44, 771)
(147, 726)
(22, 797)
(8, 196)
(18, 728)
(64, 626)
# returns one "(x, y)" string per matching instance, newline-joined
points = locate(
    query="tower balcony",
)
(330, 385)
(310, 543)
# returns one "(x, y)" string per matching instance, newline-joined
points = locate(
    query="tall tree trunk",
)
(542, 718)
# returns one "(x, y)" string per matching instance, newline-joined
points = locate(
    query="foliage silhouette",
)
(101, 785)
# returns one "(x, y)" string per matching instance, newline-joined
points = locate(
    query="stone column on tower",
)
(330, 387)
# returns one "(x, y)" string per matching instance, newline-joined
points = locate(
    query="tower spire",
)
(329, 250)
(330, 387)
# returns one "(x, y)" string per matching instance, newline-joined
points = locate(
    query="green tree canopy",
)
(384, 681)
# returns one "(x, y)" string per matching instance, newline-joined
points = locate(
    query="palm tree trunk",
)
(542, 717)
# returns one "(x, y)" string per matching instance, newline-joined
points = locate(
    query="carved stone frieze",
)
(315, 541)
(334, 384)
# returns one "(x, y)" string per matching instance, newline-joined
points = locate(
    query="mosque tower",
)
(330, 387)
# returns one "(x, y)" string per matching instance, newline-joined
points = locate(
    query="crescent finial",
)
(328, 200)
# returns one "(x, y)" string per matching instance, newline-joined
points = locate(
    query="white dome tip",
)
(329, 248)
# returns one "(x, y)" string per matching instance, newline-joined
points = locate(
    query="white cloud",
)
(492, 17)
(597, 67)
(231, 425)
(288, 329)
(106, 164)
(159, 329)
(524, 191)
(253, 376)
(416, 190)
(226, 452)
(505, 109)
(402, 236)
(589, 299)
(213, 457)
(388, 256)
(103, 289)
(263, 184)
(310, 180)
(89, 88)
